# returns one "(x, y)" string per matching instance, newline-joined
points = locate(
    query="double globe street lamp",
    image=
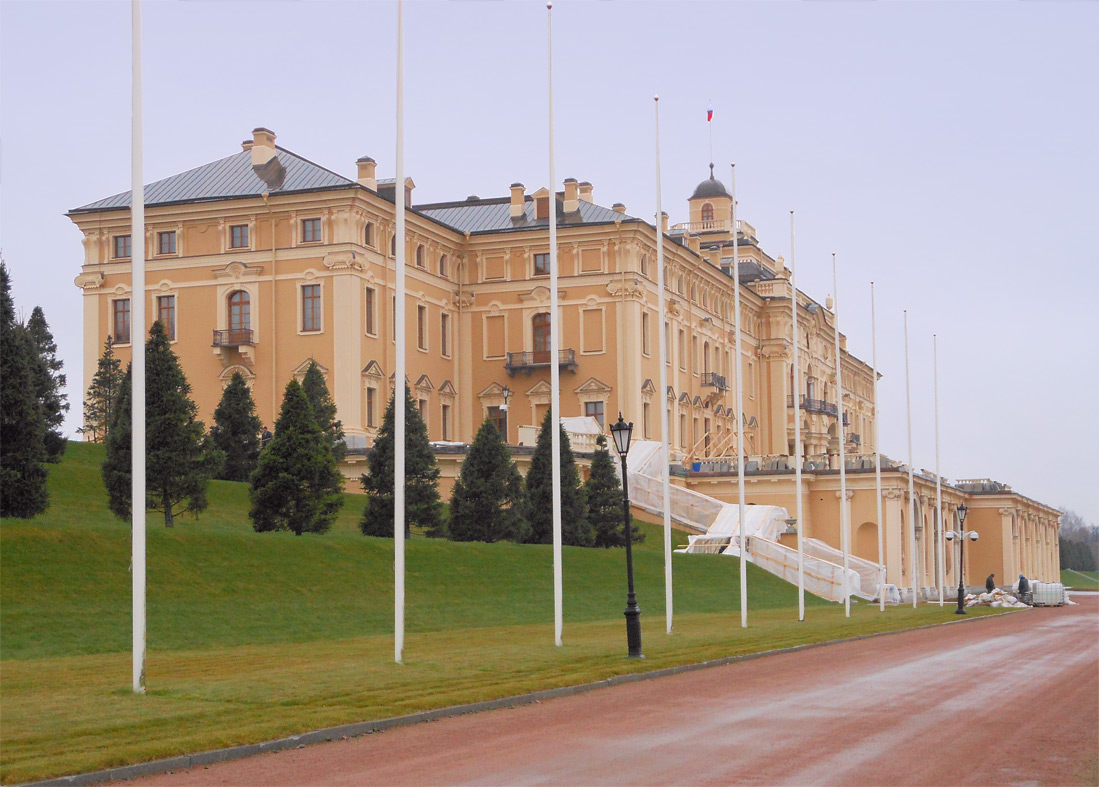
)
(621, 432)
(961, 535)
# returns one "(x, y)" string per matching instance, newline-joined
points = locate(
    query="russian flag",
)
(709, 113)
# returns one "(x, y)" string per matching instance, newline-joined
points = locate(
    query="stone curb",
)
(357, 729)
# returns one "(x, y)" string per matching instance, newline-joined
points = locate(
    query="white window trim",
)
(427, 327)
(120, 296)
(447, 350)
(603, 324)
(165, 291)
(302, 284)
(646, 338)
(301, 231)
(485, 333)
(377, 311)
(250, 246)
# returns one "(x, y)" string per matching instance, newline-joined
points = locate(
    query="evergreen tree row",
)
(32, 407)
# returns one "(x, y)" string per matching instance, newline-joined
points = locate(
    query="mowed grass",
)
(1080, 580)
(253, 636)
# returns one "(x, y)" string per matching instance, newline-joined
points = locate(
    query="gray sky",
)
(949, 151)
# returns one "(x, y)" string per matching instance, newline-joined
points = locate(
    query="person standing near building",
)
(990, 583)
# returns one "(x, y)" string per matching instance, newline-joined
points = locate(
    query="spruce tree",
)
(235, 433)
(324, 410)
(23, 473)
(49, 384)
(421, 476)
(487, 501)
(575, 528)
(604, 493)
(116, 469)
(296, 485)
(177, 466)
(102, 394)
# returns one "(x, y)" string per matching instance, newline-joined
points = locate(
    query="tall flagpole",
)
(845, 536)
(739, 416)
(555, 345)
(938, 478)
(911, 486)
(399, 373)
(137, 351)
(795, 393)
(662, 396)
(877, 456)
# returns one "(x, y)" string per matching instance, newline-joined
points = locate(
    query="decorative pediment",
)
(424, 383)
(303, 367)
(540, 388)
(592, 385)
(238, 271)
(447, 389)
(540, 294)
(720, 409)
(227, 373)
(493, 390)
(342, 260)
(373, 369)
(697, 401)
(671, 394)
(684, 398)
(647, 386)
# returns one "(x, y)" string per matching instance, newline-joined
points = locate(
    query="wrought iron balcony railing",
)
(714, 379)
(233, 338)
(854, 437)
(529, 361)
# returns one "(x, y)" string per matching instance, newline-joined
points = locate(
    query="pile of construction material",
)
(997, 598)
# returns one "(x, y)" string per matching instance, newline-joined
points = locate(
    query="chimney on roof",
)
(518, 200)
(694, 243)
(246, 144)
(265, 159)
(572, 196)
(664, 221)
(585, 191)
(367, 173)
(618, 207)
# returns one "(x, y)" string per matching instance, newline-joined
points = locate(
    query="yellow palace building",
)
(263, 261)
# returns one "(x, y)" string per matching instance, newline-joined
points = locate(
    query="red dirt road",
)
(1009, 700)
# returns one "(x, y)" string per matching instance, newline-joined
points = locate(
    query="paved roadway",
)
(1011, 700)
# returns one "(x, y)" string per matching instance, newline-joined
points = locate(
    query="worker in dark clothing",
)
(1024, 586)
(990, 583)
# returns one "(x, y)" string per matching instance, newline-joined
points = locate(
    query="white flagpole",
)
(844, 534)
(399, 372)
(911, 486)
(555, 349)
(795, 393)
(739, 417)
(137, 350)
(662, 395)
(877, 456)
(938, 479)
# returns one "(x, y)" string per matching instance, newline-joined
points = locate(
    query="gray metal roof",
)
(228, 178)
(494, 215)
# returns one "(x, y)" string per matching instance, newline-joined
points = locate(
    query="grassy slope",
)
(1080, 580)
(257, 635)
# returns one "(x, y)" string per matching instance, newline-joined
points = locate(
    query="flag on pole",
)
(709, 113)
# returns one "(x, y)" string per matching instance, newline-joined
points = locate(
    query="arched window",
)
(442, 266)
(541, 325)
(706, 357)
(240, 311)
(393, 246)
(707, 212)
(420, 257)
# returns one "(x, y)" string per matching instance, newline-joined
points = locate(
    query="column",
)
(894, 536)
(346, 326)
(1007, 545)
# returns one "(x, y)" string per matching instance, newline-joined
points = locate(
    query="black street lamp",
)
(504, 410)
(961, 535)
(621, 432)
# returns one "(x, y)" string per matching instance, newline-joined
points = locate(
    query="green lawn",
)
(253, 636)
(1080, 580)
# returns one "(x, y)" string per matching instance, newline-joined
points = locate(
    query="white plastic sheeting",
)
(822, 578)
(870, 573)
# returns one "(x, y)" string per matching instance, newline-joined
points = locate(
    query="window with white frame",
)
(311, 231)
(238, 236)
(166, 242)
(166, 314)
(123, 248)
(120, 320)
(311, 307)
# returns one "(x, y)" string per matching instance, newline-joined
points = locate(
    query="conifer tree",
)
(296, 485)
(324, 409)
(487, 501)
(177, 466)
(421, 476)
(118, 466)
(235, 433)
(23, 475)
(49, 384)
(575, 528)
(102, 395)
(604, 493)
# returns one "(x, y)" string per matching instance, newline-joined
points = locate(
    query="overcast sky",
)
(948, 151)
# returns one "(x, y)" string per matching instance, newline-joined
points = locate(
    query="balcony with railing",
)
(817, 406)
(713, 225)
(715, 380)
(854, 438)
(240, 337)
(539, 359)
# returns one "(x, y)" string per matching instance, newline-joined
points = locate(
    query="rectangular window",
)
(393, 317)
(682, 430)
(694, 354)
(371, 298)
(423, 410)
(645, 419)
(310, 230)
(371, 406)
(682, 350)
(541, 265)
(238, 236)
(166, 314)
(311, 307)
(368, 234)
(446, 422)
(645, 333)
(444, 334)
(166, 242)
(421, 327)
(668, 343)
(122, 321)
(594, 410)
(123, 249)
(498, 416)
